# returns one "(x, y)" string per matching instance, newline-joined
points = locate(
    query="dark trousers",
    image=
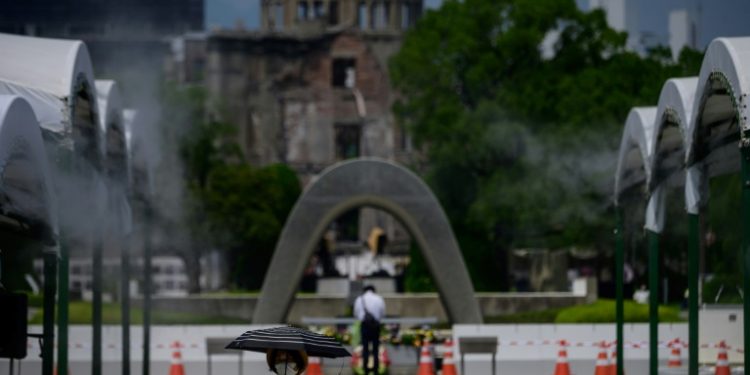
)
(371, 337)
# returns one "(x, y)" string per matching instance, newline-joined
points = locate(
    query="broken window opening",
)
(278, 16)
(405, 16)
(333, 13)
(386, 14)
(380, 15)
(372, 15)
(362, 16)
(302, 11)
(347, 141)
(344, 72)
(318, 10)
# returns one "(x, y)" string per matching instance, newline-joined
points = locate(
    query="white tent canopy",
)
(672, 121)
(668, 150)
(110, 107)
(56, 77)
(720, 110)
(633, 162)
(129, 117)
(112, 130)
(26, 189)
(115, 150)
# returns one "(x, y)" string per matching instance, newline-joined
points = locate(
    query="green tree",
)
(246, 208)
(521, 143)
(227, 205)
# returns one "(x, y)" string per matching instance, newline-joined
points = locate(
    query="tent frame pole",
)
(693, 265)
(50, 290)
(125, 303)
(745, 157)
(96, 321)
(653, 296)
(619, 289)
(63, 309)
(147, 289)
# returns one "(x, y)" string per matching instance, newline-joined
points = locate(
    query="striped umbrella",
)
(289, 338)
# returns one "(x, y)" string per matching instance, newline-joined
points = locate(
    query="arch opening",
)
(364, 242)
(377, 202)
(368, 244)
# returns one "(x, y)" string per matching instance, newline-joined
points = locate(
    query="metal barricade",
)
(477, 345)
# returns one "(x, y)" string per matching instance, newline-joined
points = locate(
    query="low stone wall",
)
(407, 304)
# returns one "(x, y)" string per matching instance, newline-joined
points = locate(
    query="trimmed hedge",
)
(601, 311)
(80, 313)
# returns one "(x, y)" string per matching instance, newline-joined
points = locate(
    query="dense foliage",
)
(231, 206)
(601, 311)
(518, 106)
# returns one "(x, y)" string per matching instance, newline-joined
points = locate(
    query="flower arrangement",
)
(390, 334)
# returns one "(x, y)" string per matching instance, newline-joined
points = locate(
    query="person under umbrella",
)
(289, 344)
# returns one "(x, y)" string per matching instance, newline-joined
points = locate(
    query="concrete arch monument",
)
(376, 183)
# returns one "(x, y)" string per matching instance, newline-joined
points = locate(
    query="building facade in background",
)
(286, 15)
(120, 34)
(311, 87)
(682, 31)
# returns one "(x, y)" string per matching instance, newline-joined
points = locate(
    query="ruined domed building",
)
(308, 89)
(311, 87)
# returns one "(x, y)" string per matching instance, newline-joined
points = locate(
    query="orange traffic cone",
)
(425, 362)
(314, 367)
(602, 363)
(176, 368)
(562, 367)
(449, 367)
(613, 360)
(675, 357)
(722, 361)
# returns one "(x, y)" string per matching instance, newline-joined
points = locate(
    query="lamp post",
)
(50, 290)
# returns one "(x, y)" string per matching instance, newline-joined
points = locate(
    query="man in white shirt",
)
(369, 308)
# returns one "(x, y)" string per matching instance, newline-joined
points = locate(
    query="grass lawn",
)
(601, 311)
(80, 313)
